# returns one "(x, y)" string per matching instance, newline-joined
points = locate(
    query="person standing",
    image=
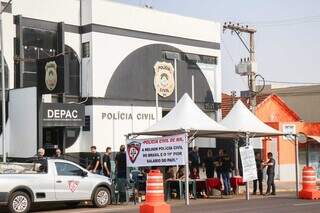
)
(226, 168)
(107, 163)
(218, 162)
(194, 159)
(270, 164)
(259, 175)
(209, 164)
(95, 164)
(41, 160)
(121, 173)
(58, 153)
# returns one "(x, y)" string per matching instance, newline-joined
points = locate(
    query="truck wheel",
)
(19, 202)
(101, 197)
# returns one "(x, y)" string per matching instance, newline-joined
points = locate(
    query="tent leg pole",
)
(236, 157)
(247, 183)
(297, 165)
(187, 176)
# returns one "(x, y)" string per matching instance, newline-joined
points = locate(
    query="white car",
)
(63, 181)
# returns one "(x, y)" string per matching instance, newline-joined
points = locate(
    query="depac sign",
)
(58, 114)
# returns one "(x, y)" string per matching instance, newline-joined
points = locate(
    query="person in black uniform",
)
(41, 160)
(194, 159)
(259, 175)
(209, 164)
(121, 173)
(270, 164)
(107, 162)
(95, 164)
(218, 162)
(226, 168)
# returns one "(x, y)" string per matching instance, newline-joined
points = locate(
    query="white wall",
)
(287, 172)
(110, 130)
(23, 122)
(108, 51)
(87, 69)
(67, 11)
(85, 139)
(8, 40)
(115, 14)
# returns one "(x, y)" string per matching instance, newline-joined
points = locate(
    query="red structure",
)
(154, 195)
(272, 110)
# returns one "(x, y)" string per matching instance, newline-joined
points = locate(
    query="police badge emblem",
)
(51, 76)
(133, 149)
(73, 185)
(163, 78)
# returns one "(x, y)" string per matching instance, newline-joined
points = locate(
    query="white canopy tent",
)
(186, 117)
(241, 119)
(315, 138)
(244, 121)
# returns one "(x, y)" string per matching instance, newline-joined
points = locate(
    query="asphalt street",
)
(279, 204)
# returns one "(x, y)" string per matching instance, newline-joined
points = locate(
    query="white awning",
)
(316, 138)
(186, 116)
(240, 118)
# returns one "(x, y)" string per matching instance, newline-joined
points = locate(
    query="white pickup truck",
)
(63, 181)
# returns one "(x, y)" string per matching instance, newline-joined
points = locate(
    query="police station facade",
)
(109, 55)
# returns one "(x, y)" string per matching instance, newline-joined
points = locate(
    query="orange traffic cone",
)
(309, 190)
(154, 195)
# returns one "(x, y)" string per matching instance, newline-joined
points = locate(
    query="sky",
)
(287, 38)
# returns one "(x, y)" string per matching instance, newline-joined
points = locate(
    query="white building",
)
(110, 51)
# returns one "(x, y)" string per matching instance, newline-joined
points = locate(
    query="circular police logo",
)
(51, 75)
(163, 78)
(133, 149)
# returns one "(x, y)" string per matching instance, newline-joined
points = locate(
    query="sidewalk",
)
(281, 186)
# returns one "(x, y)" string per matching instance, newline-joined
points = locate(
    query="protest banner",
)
(248, 163)
(161, 151)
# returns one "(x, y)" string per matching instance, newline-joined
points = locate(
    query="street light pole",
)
(4, 157)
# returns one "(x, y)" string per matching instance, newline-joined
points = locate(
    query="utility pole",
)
(246, 68)
(250, 67)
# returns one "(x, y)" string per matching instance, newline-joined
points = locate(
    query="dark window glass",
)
(66, 169)
(43, 44)
(74, 70)
(37, 44)
(86, 123)
(86, 50)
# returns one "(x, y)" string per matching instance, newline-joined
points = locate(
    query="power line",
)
(286, 20)
(231, 59)
(227, 50)
(292, 82)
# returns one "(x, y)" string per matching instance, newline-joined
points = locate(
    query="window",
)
(74, 70)
(86, 50)
(66, 169)
(40, 44)
(288, 130)
(37, 44)
(86, 126)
